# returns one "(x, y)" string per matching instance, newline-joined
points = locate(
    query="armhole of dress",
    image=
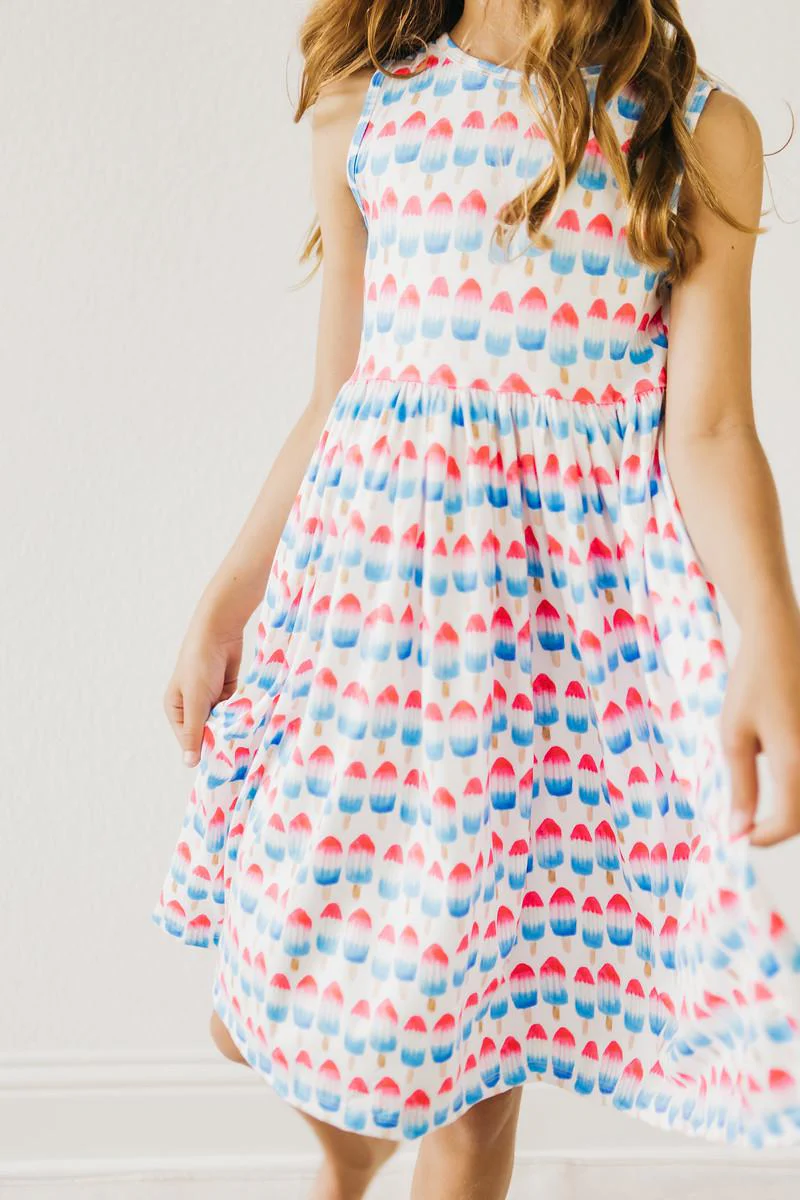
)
(691, 115)
(354, 164)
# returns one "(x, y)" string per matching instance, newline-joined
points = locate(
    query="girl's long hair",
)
(643, 43)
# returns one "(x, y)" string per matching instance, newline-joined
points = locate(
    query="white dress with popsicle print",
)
(464, 825)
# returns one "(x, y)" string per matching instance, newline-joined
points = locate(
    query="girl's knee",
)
(351, 1152)
(484, 1122)
(223, 1040)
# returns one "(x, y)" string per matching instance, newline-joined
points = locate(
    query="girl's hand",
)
(206, 672)
(762, 712)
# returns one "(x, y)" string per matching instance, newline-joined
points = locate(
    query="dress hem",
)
(718, 1133)
(658, 1120)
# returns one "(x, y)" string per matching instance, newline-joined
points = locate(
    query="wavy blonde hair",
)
(643, 43)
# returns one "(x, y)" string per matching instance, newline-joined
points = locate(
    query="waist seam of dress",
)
(523, 393)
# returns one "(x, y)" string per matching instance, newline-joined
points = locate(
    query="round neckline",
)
(492, 68)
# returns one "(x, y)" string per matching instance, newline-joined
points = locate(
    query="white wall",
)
(154, 193)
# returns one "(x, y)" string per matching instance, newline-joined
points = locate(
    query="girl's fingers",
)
(195, 712)
(741, 755)
(784, 822)
(771, 831)
(227, 691)
(173, 707)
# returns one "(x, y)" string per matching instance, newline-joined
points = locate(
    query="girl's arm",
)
(723, 481)
(209, 659)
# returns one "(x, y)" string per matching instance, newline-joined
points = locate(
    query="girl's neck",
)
(494, 30)
(490, 29)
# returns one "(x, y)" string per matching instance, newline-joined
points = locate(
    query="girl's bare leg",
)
(472, 1158)
(350, 1160)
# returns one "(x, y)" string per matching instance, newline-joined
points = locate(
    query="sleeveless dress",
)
(464, 824)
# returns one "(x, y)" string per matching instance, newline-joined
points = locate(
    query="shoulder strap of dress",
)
(354, 155)
(698, 96)
(696, 102)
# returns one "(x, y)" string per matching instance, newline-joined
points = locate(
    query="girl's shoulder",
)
(729, 129)
(339, 97)
(728, 139)
(353, 92)
(336, 112)
(358, 95)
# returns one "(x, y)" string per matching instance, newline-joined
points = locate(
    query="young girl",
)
(479, 814)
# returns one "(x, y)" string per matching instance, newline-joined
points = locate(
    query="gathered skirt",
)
(464, 824)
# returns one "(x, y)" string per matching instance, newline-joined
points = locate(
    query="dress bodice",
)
(437, 153)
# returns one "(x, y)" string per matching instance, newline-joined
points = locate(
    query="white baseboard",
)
(598, 1177)
(195, 1127)
(109, 1071)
